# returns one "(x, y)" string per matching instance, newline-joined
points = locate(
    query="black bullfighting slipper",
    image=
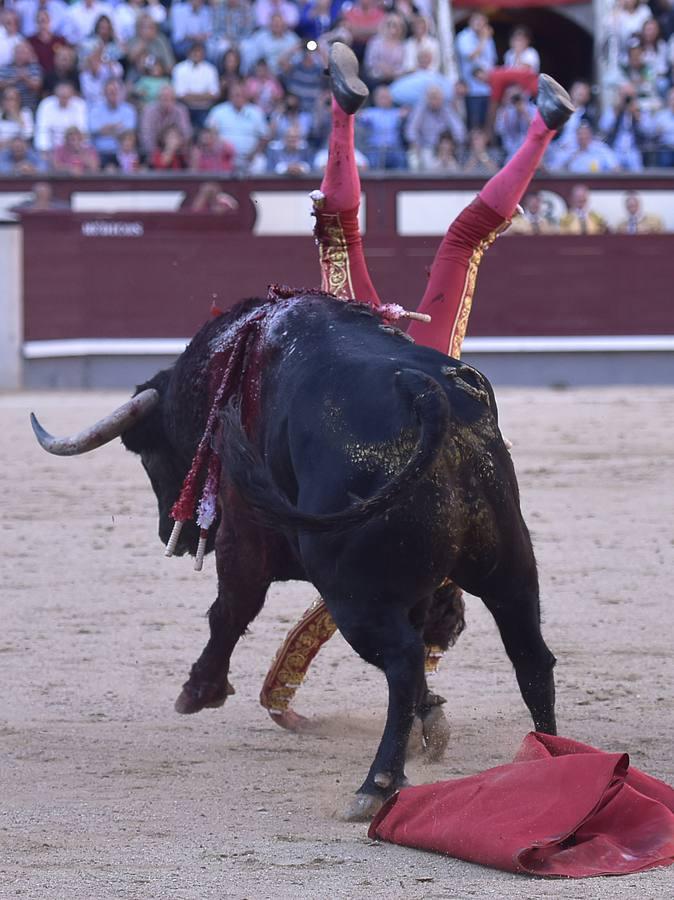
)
(553, 102)
(347, 88)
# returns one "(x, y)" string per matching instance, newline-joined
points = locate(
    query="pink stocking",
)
(504, 191)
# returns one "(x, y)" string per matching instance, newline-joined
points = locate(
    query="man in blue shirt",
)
(18, 158)
(304, 79)
(382, 132)
(242, 124)
(108, 119)
(190, 21)
(431, 118)
(24, 74)
(410, 90)
(476, 51)
(276, 44)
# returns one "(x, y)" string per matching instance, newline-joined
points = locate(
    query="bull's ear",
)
(148, 434)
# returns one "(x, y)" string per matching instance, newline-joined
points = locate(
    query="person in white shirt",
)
(10, 36)
(82, 17)
(520, 69)
(521, 54)
(196, 83)
(15, 120)
(55, 114)
(421, 41)
(265, 9)
(628, 20)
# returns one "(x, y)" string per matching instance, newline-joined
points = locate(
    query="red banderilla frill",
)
(206, 457)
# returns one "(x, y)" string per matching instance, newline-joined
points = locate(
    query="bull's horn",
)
(103, 431)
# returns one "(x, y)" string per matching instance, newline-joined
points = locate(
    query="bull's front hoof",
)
(291, 721)
(436, 734)
(362, 808)
(192, 700)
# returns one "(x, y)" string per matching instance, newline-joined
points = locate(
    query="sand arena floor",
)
(106, 792)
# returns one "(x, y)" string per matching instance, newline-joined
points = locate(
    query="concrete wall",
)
(11, 305)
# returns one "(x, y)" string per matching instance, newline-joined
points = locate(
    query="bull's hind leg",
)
(383, 636)
(444, 622)
(516, 610)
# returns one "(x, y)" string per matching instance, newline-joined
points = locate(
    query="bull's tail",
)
(252, 478)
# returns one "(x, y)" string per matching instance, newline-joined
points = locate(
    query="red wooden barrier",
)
(156, 274)
(161, 279)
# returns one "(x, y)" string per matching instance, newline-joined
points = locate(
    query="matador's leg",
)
(449, 293)
(293, 658)
(448, 300)
(340, 245)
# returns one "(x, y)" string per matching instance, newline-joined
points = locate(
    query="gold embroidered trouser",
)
(294, 657)
(448, 298)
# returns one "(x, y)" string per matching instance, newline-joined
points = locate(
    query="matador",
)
(448, 299)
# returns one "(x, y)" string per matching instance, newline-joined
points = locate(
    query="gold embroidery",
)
(433, 656)
(334, 258)
(466, 301)
(294, 657)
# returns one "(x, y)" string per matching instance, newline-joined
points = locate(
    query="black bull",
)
(375, 470)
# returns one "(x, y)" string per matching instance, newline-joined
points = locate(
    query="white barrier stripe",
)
(104, 347)
(630, 343)
(175, 346)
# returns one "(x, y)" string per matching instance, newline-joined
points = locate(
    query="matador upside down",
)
(447, 299)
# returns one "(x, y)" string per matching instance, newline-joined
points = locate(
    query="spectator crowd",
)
(239, 86)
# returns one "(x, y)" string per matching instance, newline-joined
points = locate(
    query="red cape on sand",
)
(560, 808)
